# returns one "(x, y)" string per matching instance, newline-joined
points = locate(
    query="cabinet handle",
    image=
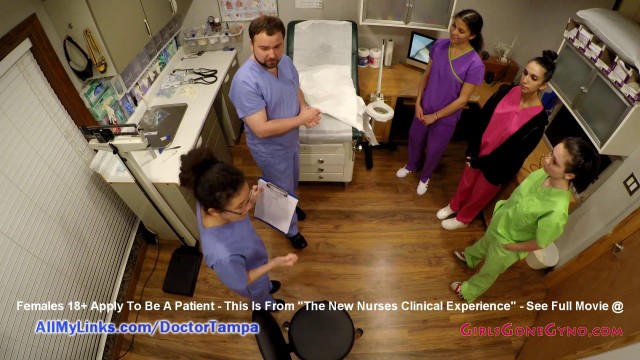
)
(320, 170)
(584, 89)
(320, 161)
(148, 28)
(320, 177)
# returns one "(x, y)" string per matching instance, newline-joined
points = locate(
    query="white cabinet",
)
(422, 14)
(327, 162)
(121, 28)
(610, 120)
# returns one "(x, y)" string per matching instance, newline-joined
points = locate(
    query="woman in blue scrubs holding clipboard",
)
(230, 244)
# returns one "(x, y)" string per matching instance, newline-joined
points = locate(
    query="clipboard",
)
(275, 206)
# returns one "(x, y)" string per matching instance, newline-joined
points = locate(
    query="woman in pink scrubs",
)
(511, 126)
(450, 78)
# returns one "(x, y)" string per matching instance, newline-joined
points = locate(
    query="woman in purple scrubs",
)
(450, 78)
(230, 244)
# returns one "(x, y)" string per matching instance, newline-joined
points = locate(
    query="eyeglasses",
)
(244, 206)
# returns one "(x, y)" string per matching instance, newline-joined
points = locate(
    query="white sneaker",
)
(422, 187)
(456, 287)
(403, 172)
(453, 224)
(445, 212)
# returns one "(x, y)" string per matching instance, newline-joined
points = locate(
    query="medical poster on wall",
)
(246, 10)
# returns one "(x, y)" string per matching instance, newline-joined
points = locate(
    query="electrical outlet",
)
(631, 184)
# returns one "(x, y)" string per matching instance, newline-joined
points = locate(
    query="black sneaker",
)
(298, 241)
(275, 286)
(279, 302)
(300, 214)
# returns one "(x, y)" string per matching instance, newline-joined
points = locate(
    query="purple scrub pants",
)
(426, 146)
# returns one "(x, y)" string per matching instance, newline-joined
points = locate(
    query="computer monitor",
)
(419, 47)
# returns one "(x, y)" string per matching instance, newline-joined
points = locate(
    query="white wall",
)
(12, 13)
(538, 23)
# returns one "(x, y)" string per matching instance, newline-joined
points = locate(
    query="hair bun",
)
(550, 55)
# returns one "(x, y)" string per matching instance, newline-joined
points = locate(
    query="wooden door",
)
(608, 279)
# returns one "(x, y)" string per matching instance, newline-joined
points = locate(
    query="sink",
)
(162, 122)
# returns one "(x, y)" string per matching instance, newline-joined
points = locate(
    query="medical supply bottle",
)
(374, 57)
(363, 57)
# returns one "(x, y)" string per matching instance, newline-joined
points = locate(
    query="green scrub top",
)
(532, 212)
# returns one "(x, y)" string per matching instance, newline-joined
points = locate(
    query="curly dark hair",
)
(213, 182)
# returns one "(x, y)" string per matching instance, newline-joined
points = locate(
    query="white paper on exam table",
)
(275, 206)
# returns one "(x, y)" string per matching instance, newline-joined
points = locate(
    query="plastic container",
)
(375, 55)
(198, 39)
(388, 53)
(363, 57)
(543, 258)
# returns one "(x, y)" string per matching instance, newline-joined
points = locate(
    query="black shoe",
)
(280, 303)
(298, 241)
(275, 286)
(300, 214)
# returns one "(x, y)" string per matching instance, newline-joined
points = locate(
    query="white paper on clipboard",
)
(275, 206)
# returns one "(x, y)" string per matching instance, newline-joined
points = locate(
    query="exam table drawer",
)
(322, 177)
(321, 159)
(322, 149)
(321, 168)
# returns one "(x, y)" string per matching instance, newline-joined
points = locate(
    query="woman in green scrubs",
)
(532, 218)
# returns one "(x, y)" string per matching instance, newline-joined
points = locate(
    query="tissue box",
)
(571, 30)
(94, 91)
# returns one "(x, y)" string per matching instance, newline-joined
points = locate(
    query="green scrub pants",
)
(496, 261)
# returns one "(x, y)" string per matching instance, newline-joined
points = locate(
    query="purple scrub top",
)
(233, 249)
(253, 88)
(443, 86)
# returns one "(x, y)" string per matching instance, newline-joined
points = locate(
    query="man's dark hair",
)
(269, 24)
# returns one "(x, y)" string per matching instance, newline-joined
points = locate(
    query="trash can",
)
(543, 258)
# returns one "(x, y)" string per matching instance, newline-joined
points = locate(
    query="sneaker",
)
(422, 187)
(301, 215)
(298, 241)
(403, 172)
(460, 255)
(456, 287)
(275, 286)
(445, 212)
(453, 224)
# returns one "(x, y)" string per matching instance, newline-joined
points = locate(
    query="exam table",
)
(327, 151)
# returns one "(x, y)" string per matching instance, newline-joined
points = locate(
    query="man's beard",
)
(265, 65)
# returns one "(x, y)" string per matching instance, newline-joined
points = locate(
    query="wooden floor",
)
(374, 241)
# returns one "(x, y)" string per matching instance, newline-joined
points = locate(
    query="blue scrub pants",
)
(283, 170)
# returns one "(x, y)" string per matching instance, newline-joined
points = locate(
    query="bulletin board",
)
(246, 10)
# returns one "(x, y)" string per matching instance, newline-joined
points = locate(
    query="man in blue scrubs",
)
(266, 93)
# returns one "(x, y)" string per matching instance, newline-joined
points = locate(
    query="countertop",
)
(199, 99)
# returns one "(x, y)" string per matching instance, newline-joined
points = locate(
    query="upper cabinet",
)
(121, 28)
(421, 14)
(596, 99)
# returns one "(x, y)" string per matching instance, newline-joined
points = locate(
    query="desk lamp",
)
(184, 266)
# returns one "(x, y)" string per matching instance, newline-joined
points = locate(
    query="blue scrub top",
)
(233, 249)
(253, 88)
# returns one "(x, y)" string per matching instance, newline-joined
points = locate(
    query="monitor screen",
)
(419, 47)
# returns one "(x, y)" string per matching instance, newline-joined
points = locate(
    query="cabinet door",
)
(430, 13)
(385, 11)
(158, 13)
(183, 8)
(602, 108)
(572, 73)
(122, 27)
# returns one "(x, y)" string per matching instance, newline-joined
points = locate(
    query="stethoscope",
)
(204, 75)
